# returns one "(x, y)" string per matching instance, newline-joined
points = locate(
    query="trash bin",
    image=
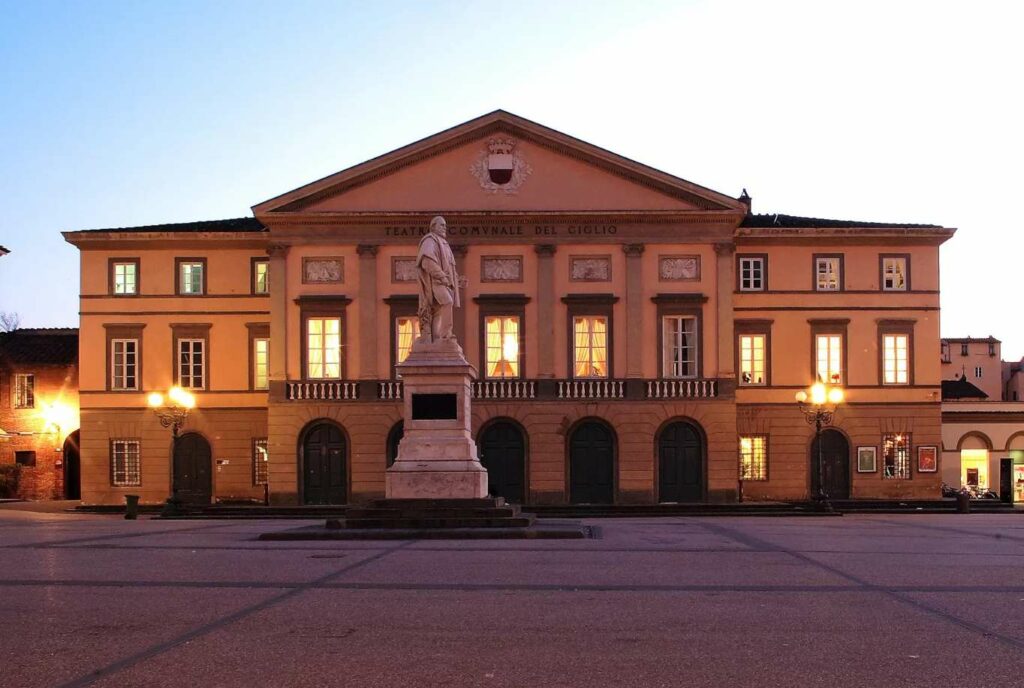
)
(963, 503)
(131, 508)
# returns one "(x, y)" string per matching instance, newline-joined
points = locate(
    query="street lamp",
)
(819, 408)
(172, 412)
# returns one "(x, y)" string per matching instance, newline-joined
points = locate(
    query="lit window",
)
(501, 334)
(590, 346)
(124, 364)
(260, 363)
(894, 274)
(895, 359)
(25, 390)
(751, 273)
(260, 277)
(124, 463)
(896, 455)
(679, 344)
(826, 272)
(323, 348)
(192, 363)
(974, 468)
(829, 357)
(190, 277)
(259, 461)
(126, 278)
(407, 329)
(752, 359)
(754, 458)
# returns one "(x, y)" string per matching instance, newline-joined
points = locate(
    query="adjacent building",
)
(39, 414)
(639, 338)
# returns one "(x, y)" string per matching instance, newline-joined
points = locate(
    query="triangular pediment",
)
(502, 163)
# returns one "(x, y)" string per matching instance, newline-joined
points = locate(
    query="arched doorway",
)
(680, 463)
(72, 467)
(503, 454)
(394, 438)
(592, 464)
(193, 479)
(835, 465)
(324, 475)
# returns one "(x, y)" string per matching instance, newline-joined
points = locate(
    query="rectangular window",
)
(192, 363)
(260, 363)
(590, 346)
(895, 359)
(124, 364)
(963, 349)
(260, 277)
(25, 458)
(894, 273)
(190, 277)
(126, 278)
(754, 458)
(752, 359)
(828, 273)
(323, 348)
(407, 329)
(259, 461)
(991, 349)
(679, 341)
(501, 334)
(944, 350)
(25, 390)
(829, 358)
(124, 463)
(896, 456)
(977, 372)
(752, 273)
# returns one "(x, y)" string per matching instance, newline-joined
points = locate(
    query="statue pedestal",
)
(437, 455)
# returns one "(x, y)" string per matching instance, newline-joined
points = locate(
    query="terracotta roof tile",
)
(763, 220)
(237, 224)
(45, 346)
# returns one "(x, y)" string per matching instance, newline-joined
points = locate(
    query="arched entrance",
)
(193, 479)
(394, 438)
(680, 463)
(72, 467)
(324, 475)
(592, 464)
(503, 454)
(835, 465)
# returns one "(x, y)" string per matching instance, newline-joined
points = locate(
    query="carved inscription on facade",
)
(403, 269)
(501, 268)
(590, 268)
(678, 268)
(323, 270)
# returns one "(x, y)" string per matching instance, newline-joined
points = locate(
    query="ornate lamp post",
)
(172, 412)
(818, 405)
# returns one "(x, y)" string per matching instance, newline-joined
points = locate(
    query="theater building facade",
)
(639, 338)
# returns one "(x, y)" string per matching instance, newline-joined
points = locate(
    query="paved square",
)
(853, 601)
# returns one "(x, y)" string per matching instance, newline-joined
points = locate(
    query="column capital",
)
(278, 250)
(367, 250)
(725, 248)
(544, 250)
(633, 250)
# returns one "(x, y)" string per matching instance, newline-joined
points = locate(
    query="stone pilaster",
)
(545, 310)
(367, 311)
(726, 280)
(278, 273)
(634, 310)
(459, 314)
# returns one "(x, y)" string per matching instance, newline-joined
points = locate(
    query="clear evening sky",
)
(129, 113)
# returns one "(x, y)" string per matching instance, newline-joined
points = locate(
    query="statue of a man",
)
(439, 283)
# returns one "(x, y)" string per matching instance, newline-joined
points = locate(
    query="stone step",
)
(437, 522)
(480, 503)
(424, 512)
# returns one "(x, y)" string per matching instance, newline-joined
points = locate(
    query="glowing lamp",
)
(835, 395)
(155, 399)
(801, 396)
(818, 393)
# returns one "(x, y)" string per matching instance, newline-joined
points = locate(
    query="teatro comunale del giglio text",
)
(639, 338)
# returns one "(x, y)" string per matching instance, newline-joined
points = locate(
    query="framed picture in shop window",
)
(867, 459)
(927, 459)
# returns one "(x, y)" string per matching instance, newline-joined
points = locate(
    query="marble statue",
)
(439, 284)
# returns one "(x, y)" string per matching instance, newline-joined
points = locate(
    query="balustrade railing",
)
(513, 390)
(323, 391)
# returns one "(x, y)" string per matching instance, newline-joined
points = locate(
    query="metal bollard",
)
(131, 507)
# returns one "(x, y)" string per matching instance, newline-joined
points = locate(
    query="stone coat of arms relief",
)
(500, 168)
